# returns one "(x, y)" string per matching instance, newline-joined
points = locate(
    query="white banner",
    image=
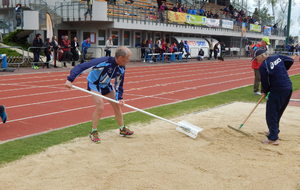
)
(212, 22)
(227, 24)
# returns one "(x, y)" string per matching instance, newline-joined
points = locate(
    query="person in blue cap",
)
(277, 84)
(3, 114)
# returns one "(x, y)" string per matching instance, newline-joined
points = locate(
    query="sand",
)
(159, 157)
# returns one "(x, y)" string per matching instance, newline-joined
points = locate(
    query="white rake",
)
(182, 126)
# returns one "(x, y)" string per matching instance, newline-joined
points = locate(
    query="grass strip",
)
(9, 52)
(15, 150)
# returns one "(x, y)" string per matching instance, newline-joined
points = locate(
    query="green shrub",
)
(12, 39)
(9, 52)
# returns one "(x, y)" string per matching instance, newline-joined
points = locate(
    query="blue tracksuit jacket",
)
(273, 72)
(103, 70)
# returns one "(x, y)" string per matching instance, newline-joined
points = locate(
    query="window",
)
(101, 37)
(115, 37)
(126, 38)
(92, 35)
(138, 39)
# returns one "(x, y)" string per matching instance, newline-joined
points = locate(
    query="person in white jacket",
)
(108, 45)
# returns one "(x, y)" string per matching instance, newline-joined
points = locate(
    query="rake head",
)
(238, 130)
(188, 129)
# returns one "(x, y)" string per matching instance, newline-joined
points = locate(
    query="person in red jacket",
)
(255, 65)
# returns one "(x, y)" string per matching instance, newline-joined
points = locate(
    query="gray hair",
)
(122, 51)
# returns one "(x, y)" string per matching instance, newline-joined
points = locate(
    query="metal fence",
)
(15, 60)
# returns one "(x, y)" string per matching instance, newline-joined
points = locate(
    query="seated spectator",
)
(201, 12)
(175, 8)
(174, 47)
(200, 55)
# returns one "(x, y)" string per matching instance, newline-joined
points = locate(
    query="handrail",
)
(31, 48)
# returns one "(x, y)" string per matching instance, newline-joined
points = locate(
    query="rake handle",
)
(261, 98)
(129, 106)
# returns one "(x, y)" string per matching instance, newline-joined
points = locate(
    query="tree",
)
(282, 12)
(273, 5)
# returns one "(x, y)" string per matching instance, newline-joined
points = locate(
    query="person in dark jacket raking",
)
(277, 84)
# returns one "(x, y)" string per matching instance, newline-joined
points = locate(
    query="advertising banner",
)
(267, 30)
(195, 19)
(255, 28)
(212, 22)
(176, 17)
(227, 24)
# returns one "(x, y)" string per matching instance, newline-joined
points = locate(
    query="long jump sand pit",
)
(158, 157)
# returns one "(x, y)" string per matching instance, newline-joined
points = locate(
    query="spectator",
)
(148, 49)
(86, 44)
(18, 11)
(67, 55)
(55, 48)
(3, 114)
(47, 51)
(200, 55)
(89, 4)
(108, 45)
(74, 50)
(180, 46)
(187, 49)
(247, 49)
(161, 11)
(255, 65)
(174, 47)
(159, 3)
(143, 50)
(175, 8)
(216, 50)
(37, 44)
(222, 52)
(211, 49)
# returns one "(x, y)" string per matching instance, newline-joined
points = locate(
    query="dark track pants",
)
(276, 104)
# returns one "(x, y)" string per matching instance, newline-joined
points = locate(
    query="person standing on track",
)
(277, 84)
(3, 114)
(255, 65)
(99, 80)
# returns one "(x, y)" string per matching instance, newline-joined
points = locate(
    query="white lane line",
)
(29, 87)
(50, 101)
(153, 86)
(129, 82)
(52, 113)
(151, 96)
(64, 73)
(28, 95)
(133, 99)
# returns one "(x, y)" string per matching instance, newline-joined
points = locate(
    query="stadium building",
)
(129, 22)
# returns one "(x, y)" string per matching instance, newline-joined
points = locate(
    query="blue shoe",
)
(3, 114)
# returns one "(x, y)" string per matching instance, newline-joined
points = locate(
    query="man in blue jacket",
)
(86, 44)
(99, 80)
(275, 82)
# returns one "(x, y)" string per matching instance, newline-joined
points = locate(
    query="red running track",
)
(39, 102)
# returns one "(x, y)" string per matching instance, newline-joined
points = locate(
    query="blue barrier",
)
(153, 57)
(4, 60)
